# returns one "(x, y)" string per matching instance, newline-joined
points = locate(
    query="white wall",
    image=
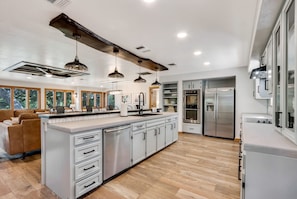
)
(245, 102)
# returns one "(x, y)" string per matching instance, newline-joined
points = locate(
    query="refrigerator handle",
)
(217, 106)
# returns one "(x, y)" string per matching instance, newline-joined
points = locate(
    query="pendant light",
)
(76, 65)
(139, 79)
(156, 83)
(115, 74)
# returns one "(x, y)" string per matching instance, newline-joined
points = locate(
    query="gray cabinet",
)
(76, 157)
(171, 131)
(175, 129)
(139, 142)
(151, 141)
(161, 137)
(192, 85)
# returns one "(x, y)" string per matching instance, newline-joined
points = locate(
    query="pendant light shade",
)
(156, 83)
(139, 79)
(76, 65)
(115, 74)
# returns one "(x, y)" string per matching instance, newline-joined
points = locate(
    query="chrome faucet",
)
(139, 103)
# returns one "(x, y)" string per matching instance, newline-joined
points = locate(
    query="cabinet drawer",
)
(170, 119)
(87, 151)
(192, 128)
(154, 123)
(87, 137)
(88, 184)
(85, 168)
(138, 126)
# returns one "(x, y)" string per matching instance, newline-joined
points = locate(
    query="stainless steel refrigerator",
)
(219, 106)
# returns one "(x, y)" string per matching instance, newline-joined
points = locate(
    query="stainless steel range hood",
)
(259, 73)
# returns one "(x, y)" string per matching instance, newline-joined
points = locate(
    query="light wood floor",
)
(195, 167)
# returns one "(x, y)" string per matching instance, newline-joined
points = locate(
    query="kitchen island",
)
(73, 147)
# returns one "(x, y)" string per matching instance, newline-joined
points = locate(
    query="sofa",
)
(20, 131)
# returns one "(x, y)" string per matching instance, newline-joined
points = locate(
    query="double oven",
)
(191, 106)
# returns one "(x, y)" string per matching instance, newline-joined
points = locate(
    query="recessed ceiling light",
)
(182, 35)
(29, 77)
(148, 1)
(206, 63)
(197, 53)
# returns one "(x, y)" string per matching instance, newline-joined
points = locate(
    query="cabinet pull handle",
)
(159, 130)
(86, 186)
(89, 152)
(85, 169)
(144, 136)
(90, 137)
(156, 131)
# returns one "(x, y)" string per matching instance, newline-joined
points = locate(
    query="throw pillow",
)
(15, 120)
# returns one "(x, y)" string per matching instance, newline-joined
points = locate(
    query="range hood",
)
(36, 69)
(259, 73)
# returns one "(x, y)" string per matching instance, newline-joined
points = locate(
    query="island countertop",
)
(85, 125)
(80, 113)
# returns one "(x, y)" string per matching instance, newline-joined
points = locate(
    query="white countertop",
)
(270, 142)
(85, 125)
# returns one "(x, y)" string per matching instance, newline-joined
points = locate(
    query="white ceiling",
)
(222, 29)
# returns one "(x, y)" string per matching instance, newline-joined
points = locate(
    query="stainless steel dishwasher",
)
(116, 150)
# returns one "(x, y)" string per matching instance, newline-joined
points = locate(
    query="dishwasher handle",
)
(116, 129)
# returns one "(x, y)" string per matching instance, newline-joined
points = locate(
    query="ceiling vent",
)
(34, 69)
(60, 3)
(143, 49)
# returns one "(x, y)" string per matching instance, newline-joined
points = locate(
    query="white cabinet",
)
(161, 137)
(151, 141)
(73, 162)
(152, 136)
(171, 130)
(192, 85)
(155, 136)
(175, 129)
(261, 90)
(139, 142)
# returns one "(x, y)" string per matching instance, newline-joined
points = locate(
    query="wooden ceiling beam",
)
(70, 28)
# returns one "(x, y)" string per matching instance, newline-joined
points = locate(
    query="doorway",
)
(154, 96)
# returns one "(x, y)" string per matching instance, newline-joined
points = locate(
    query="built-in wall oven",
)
(191, 106)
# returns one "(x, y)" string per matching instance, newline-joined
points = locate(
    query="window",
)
(60, 98)
(5, 98)
(94, 99)
(33, 99)
(55, 97)
(19, 98)
(49, 99)
(111, 101)
(291, 65)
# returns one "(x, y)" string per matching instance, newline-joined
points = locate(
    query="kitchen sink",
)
(146, 114)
